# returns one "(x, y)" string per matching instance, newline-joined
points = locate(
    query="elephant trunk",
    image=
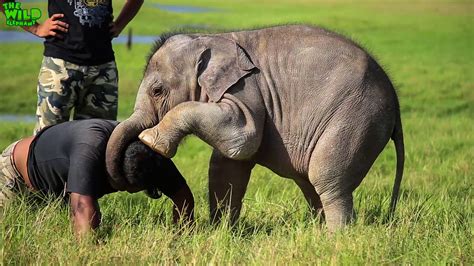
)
(121, 137)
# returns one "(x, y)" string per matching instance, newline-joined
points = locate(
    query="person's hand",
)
(51, 27)
(115, 29)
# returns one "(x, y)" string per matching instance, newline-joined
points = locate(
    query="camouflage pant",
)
(10, 179)
(91, 90)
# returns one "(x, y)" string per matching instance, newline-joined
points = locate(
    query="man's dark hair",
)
(141, 167)
(144, 168)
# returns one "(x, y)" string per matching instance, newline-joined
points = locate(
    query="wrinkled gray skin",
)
(302, 101)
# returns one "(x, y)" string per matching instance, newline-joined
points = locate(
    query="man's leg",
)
(99, 98)
(10, 179)
(58, 83)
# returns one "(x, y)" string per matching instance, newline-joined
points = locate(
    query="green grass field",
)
(426, 46)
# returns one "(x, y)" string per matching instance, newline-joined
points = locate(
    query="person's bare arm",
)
(85, 214)
(48, 28)
(183, 209)
(128, 12)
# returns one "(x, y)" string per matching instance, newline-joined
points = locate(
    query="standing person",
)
(78, 69)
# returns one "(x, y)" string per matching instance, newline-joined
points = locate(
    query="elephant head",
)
(183, 68)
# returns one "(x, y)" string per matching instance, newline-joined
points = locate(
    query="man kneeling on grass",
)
(68, 161)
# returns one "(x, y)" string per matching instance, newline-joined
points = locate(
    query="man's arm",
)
(129, 10)
(47, 28)
(174, 186)
(85, 214)
(183, 209)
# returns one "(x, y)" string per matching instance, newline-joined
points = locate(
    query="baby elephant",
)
(302, 101)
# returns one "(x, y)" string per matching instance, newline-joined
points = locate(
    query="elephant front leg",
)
(228, 180)
(165, 137)
(228, 126)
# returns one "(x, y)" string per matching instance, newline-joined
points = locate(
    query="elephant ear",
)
(222, 64)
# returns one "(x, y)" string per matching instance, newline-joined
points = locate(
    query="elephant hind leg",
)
(339, 211)
(309, 192)
(334, 184)
(341, 159)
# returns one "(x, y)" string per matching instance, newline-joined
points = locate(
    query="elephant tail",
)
(397, 137)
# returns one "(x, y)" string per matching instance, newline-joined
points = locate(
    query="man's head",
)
(141, 167)
(145, 169)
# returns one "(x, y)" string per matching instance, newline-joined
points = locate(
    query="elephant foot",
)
(339, 212)
(155, 141)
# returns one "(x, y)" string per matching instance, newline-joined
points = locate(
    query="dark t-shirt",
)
(71, 156)
(88, 41)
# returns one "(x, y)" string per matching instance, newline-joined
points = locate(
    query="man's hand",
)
(50, 27)
(85, 214)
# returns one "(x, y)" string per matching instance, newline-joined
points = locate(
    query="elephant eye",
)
(157, 91)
